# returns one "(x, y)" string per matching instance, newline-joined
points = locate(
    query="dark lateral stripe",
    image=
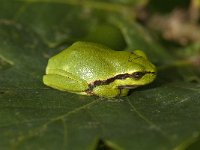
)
(110, 80)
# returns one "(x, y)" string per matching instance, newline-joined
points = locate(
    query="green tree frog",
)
(93, 69)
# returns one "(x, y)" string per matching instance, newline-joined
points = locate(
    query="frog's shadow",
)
(144, 88)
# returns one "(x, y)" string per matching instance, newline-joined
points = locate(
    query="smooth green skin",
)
(83, 63)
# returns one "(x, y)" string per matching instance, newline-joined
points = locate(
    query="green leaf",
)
(161, 116)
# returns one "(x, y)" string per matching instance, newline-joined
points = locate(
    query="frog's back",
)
(85, 48)
(87, 52)
(90, 61)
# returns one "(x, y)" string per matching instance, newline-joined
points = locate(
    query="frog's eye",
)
(138, 75)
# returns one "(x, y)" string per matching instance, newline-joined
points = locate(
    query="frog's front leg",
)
(109, 91)
(123, 92)
(65, 82)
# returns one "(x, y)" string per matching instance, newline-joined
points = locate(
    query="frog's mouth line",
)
(117, 77)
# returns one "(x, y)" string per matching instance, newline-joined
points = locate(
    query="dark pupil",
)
(138, 75)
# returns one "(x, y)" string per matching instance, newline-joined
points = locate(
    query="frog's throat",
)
(117, 77)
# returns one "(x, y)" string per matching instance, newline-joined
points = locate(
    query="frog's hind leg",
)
(66, 82)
